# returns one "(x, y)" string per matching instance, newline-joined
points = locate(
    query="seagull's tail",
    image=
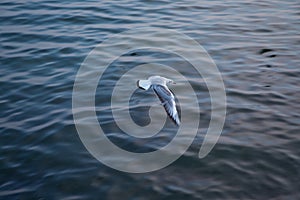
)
(144, 84)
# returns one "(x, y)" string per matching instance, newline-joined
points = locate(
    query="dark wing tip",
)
(175, 119)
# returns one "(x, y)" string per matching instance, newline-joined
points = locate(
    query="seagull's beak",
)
(171, 81)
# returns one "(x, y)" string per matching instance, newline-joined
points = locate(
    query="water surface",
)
(256, 46)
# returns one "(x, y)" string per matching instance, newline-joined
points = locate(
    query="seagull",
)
(159, 85)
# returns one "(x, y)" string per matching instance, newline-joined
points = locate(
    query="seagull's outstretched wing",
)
(168, 101)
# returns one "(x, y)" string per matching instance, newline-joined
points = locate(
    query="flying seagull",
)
(159, 85)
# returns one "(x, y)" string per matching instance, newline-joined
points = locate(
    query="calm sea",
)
(256, 46)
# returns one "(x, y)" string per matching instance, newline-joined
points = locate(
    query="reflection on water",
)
(256, 47)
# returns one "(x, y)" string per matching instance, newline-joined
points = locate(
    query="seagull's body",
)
(159, 85)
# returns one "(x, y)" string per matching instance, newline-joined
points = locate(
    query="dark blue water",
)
(255, 44)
